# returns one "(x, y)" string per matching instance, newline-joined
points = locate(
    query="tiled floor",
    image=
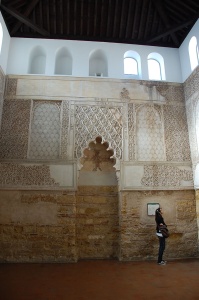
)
(101, 280)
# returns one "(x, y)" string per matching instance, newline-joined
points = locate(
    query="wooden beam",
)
(172, 30)
(24, 20)
(158, 5)
(26, 14)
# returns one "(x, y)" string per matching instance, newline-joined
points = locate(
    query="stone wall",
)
(138, 238)
(37, 227)
(97, 222)
(81, 159)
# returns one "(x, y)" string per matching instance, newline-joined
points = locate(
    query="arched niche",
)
(98, 64)
(37, 61)
(63, 62)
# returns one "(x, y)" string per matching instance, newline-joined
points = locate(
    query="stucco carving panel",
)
(191, 119)
(11, 87)
(2, 81)
(2, 85)
(191, 85)
(149, 134)
(176, 133)
(132, 131)
(15, 129)
(45, 130)
(165, 176)
(146, 135)
(64, 129)
(93, 121)
(19, 175)
(98, 156)
(172, 93)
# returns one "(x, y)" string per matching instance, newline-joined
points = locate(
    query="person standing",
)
(160, 221)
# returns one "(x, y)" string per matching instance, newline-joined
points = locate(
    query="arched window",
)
(193, 53)
(1, 36)
(132, 64)
(156, 68)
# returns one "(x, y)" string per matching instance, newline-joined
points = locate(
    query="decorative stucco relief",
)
(176, 133)
(132, 131)
(98, 156)
(25, 176)
(191, 85)
(172, 93)
(2, 81)
(92, 121)
(191, 120)
(149, 133)
(45, 130)
(2, 86)
(15, 129)
(124, 95)
(146, 134)
(64, 129)
(11, 87)
(165, 176)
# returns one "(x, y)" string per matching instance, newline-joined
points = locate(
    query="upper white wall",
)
(5, 46)
(20, 50)
(184, 51)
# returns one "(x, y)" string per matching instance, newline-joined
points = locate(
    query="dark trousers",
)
(161, 248)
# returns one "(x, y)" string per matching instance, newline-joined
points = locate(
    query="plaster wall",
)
(20, 50)
(4, 54)
(184, 52)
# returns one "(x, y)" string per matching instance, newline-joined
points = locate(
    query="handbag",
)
(164, 230)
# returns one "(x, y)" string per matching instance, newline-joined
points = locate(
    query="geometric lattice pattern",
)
(149, 134)
(176, 133)
(162, 175)
(93, 121)
(45, 131)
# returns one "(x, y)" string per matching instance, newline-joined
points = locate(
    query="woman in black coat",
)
(160, 221)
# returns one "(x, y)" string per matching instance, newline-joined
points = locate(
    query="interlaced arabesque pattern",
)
(45, 131)
(92, 121)
(15, 129)
(165, 176)
(26, 176)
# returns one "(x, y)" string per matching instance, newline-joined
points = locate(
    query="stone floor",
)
(101, 280)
